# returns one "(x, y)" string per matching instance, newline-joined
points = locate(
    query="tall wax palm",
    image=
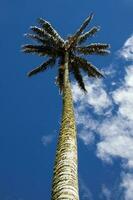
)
(68, 53)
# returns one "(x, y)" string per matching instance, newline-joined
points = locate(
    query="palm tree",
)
(69, 55)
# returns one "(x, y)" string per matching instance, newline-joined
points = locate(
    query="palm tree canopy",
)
(51, 45)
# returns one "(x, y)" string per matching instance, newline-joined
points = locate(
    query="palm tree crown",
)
(50, 44)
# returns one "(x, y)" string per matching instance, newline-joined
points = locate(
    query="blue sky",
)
(31, 108)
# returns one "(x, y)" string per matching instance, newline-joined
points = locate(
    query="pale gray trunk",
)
(65, 178)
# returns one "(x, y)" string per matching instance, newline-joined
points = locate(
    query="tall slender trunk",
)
(65, 178)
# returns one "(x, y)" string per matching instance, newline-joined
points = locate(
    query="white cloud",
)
(127, 50)
(114, 113)
(87, 126)
(96, 96)
(110, 71)
(123, 96)
(85, 191)
(106, 193)
(127, 184)
(47, 139)
(96, 99)
(116, 135)
(119, 146)
(86, 136)
(116, 132)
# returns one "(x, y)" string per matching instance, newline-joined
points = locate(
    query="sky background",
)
(30, 108)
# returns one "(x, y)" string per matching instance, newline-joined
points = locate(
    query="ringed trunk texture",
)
(65, 178)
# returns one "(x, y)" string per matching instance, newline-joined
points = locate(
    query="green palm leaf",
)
(98, 46)
(77, 74)
(87, 67)
(34, 37)
(38, 31)
(74, 38)
(88, 34)
(47, 38)
(49, 29)
(42, 67)
(99, 49)
(41, 50)
(52, 45)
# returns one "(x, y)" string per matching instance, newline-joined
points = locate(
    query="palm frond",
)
(38, 31)
(91, 70)
(41, 50)
(74, 38)
(88, 34)
(98, 46)
(60, 78)
(47, 38)
(102, 52)
(53, 46)
(42, 67)
(34, 37)
(49, 29)
(77, 74)
(98, 49)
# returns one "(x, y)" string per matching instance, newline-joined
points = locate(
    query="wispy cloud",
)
(106, 193)
(85, 191)
(96, 96)
(127, 184)
(123, 96)
(127, 50)
(47, 139)
(96, 100)
(115, 131)
(86, 136)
